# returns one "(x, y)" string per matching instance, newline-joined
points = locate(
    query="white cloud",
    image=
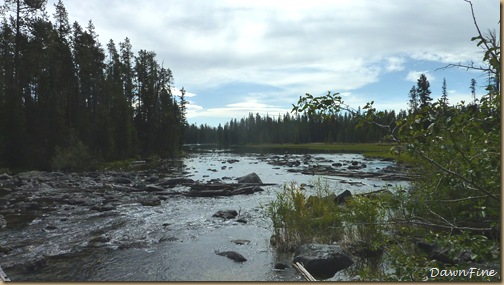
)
(176, 92)
(395, 64)
(414, 75)
(236, 110)
(300, 46)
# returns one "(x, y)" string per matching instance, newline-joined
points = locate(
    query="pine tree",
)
(423, 91)
(444, 95)
(413, 101)
(473, 89)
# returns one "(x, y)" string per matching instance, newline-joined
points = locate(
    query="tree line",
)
(289, 128)
(65, 97)
(303, 127)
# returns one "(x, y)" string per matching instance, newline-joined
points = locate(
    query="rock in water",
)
(281, 266)
(250, 178)
(226, 214)
(322, 261)
(232, 255)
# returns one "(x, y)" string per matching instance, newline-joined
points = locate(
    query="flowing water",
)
(177, 240)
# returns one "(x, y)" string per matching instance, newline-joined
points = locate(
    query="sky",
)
(234, 57)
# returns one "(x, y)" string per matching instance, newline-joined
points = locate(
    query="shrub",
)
(298, 220)
(75, 157)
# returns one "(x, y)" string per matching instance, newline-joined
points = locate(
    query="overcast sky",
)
(234, 57)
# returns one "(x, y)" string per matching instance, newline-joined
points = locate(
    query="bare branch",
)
(467, 67)
(476, 187)
(480, 34)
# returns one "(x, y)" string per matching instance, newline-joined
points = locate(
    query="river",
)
(173, 241)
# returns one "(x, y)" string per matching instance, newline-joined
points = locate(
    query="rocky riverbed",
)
(49, 220)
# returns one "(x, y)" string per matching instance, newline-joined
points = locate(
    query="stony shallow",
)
(146, 225)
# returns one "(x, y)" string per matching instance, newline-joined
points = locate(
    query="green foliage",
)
(297, 219)
(365, 219)
(75, 157)
(457, 197)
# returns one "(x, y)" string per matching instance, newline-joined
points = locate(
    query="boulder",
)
(251, 178)
(226, 214)
(342, 197)
(232, 255)
(281, 266)
(321, 260)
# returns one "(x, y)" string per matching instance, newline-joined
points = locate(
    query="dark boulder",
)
(226, 214)
(344, 196)
(232, 255)
(281, 266)
(322, 261)
(251, 178)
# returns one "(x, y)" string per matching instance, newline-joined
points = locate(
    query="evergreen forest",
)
(291, 128)
(68, 102)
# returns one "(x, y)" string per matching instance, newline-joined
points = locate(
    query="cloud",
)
(235, 110)
(176, 92)
(395, 64)
(298, 47)
(413, 76)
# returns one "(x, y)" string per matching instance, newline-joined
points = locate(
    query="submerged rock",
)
(250, 178)
(281, 266)
(226, 214)
(321, 260)
(232, 255)
(241, 241)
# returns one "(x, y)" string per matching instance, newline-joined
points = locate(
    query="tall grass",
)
(298, 219)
